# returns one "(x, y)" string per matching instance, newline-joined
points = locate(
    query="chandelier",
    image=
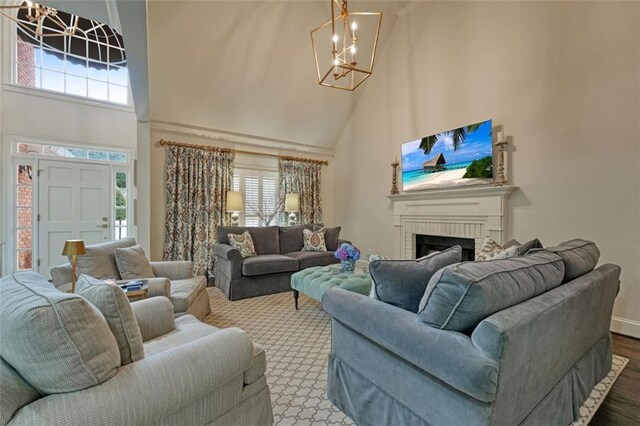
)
(346, 46)
(39, 20)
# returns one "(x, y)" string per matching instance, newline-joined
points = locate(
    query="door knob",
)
(104, 225)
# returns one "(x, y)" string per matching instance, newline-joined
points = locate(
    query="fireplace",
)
(426, 244)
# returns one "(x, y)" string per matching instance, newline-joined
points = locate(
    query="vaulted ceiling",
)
(247, 67)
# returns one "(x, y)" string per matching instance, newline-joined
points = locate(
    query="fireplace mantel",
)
(475, 212)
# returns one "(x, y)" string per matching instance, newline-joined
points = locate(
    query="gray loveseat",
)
(174, 280)
(191, 373)
(280, 254)
(532, 362)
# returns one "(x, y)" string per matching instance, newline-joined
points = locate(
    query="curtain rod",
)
(238, 151)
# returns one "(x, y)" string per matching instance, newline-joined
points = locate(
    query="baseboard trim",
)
(625, 326)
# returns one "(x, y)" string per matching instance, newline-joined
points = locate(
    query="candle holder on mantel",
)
(501, 141)
(394, 177)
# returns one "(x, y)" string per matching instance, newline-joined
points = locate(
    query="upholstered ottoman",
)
(315, 281)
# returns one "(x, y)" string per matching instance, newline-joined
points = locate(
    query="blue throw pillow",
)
(402, 283)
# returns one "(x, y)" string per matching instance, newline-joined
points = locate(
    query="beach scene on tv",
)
(457, 157)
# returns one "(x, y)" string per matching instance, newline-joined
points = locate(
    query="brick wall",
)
(26, 61)
(25, 236)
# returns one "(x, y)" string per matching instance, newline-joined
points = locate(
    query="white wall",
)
(562, 78)
(242, 160)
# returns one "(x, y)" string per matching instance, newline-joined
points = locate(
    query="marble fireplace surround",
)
(475, 212)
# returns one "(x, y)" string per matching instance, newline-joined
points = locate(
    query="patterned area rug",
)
(297, 345)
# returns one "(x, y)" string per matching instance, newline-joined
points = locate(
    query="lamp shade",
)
(292, 203)
(73, 247)
(234, 201)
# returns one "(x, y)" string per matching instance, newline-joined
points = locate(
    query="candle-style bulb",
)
(335, 38)
(354, 25)
(353, 50)
(336, 62)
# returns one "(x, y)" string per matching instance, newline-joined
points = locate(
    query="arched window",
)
(66, 53)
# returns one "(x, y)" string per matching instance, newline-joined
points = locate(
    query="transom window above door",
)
(90, 63)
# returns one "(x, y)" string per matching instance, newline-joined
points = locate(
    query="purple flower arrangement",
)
(347, 252)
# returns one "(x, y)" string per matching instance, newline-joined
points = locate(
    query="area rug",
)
(297, 344)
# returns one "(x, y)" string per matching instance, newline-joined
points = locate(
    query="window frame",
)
(10, 70)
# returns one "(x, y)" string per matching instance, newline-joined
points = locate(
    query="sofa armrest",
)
(229, 260)
(146, 391)
(154, 316)
(61, 276)
(159, 287)
(342, 241)
(446, 355)
(174, 269)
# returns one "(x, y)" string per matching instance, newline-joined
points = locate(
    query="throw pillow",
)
(490, 250)
(375, 256)
(99, 259)
(243, 243)
(314, 240)
(132, 263)
(114, 305)
(58, 342)
(331, 236)
(460, 296)
(402, 283)
(529, 245)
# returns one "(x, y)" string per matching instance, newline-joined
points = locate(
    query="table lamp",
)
(234, 206)
(73, 248)
(292, 205)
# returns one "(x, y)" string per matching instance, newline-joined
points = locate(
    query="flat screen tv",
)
(458, 157)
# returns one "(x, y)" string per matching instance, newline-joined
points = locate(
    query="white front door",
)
(74, 203)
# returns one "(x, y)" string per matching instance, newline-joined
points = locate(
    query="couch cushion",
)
(15, 394)
(265, 239)
(579, 257)
(307, 259)
(402, 283)
(291, 238)
(99, 260)
(114, 305)
(331, 236)
(268, 264)
(133, 263)
(314, 240)
(184, 292)
(58, 342)
(460, 296)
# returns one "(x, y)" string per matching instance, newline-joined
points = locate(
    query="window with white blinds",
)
(260, 191)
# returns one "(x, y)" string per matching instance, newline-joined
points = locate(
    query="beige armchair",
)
(173, 280)
(191, 374)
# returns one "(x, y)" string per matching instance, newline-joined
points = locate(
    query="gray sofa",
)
(280, 255)
(191, 373)
(532, 362)
(174, 280)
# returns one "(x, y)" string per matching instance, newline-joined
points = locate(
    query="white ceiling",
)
(247, 67)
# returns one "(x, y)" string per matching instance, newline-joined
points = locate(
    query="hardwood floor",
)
(622, 405)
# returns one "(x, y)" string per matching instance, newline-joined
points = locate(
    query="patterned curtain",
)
(302, 178)
(197, 181)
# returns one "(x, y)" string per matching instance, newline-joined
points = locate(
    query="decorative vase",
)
(347, 265)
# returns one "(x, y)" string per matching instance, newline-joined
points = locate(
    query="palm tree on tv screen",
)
(458, 136)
